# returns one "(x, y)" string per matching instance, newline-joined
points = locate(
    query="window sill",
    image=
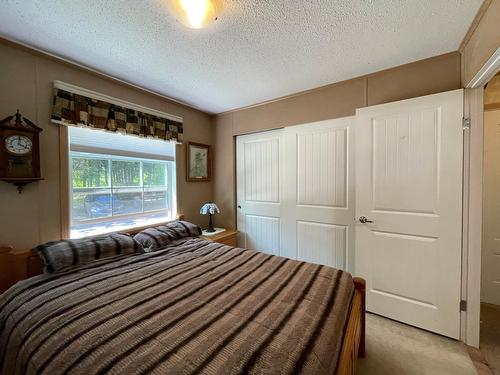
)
(118, 225)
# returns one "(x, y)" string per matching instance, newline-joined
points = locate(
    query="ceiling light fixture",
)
(194, 14)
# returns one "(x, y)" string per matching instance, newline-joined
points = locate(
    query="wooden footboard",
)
(353, 345)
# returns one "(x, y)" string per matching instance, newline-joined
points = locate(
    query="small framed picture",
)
(198, 162)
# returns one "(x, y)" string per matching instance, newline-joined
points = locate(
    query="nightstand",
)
(227, 237)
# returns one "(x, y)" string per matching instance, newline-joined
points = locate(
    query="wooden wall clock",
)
(19, 151)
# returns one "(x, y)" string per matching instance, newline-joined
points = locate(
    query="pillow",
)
(158, 237)
(59, 255)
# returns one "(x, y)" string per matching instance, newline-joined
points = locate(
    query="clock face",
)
(18, 144)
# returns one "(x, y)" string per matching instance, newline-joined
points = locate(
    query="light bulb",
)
(195, 14)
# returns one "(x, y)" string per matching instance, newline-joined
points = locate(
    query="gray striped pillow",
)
(59, 255)
(158, 237)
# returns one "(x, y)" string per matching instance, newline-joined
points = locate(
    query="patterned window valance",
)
(72, 108)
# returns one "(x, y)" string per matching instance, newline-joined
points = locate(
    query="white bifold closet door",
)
(319, 206)
(259, 166)
(295, 192)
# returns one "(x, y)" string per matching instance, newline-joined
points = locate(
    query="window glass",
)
(91, 189)
(155, 199)
(110, 192)
(154, 174)
(155, 180)
(90, 173)
(91, 204)
(126, 173)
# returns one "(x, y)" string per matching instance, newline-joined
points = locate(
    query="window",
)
(119, 182)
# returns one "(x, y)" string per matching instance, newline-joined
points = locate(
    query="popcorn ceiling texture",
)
(256, 51)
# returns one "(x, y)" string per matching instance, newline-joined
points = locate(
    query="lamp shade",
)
(209, 209)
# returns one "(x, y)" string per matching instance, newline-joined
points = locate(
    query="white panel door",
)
(259, 158)
(490, 275)
(318, 191)
(409, 183)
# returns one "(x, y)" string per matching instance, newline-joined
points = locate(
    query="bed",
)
(194, 306)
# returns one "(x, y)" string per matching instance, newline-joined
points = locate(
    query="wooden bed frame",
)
(353, 343)
(16, 265)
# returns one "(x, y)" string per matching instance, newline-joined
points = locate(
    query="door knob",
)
(239, 206)
(364, 220)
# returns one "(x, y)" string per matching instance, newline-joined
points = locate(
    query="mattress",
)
(193, 307)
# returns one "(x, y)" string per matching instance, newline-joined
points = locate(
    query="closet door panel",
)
(318, 193)
(261, 170)
(322, 243)
(259, 159)
(263, 233)
(295, 192)
(322, 168)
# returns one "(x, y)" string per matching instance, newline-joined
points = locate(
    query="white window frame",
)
(65, 184)
(64, 146)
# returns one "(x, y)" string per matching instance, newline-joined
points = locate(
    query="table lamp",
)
(209, 209)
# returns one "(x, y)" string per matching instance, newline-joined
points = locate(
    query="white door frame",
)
(473, 199)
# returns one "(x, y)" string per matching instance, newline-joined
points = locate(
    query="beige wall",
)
(34, 216)
(26, 83)
(482, 40)
(492, 94)
(437, 74)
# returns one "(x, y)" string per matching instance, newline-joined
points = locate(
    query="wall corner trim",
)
(487, 72)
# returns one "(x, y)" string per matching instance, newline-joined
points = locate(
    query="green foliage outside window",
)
(105, 187)
(126, 173)
(90, 173)
(153, 174)
(94, 173)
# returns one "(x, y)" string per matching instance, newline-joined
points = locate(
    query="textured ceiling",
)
(258, 50)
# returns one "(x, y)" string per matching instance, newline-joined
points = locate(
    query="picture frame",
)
(198, 162)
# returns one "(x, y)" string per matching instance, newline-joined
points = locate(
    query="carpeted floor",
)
(395, 348)
(490, 336)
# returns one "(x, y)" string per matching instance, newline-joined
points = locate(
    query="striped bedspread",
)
(193, 307)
